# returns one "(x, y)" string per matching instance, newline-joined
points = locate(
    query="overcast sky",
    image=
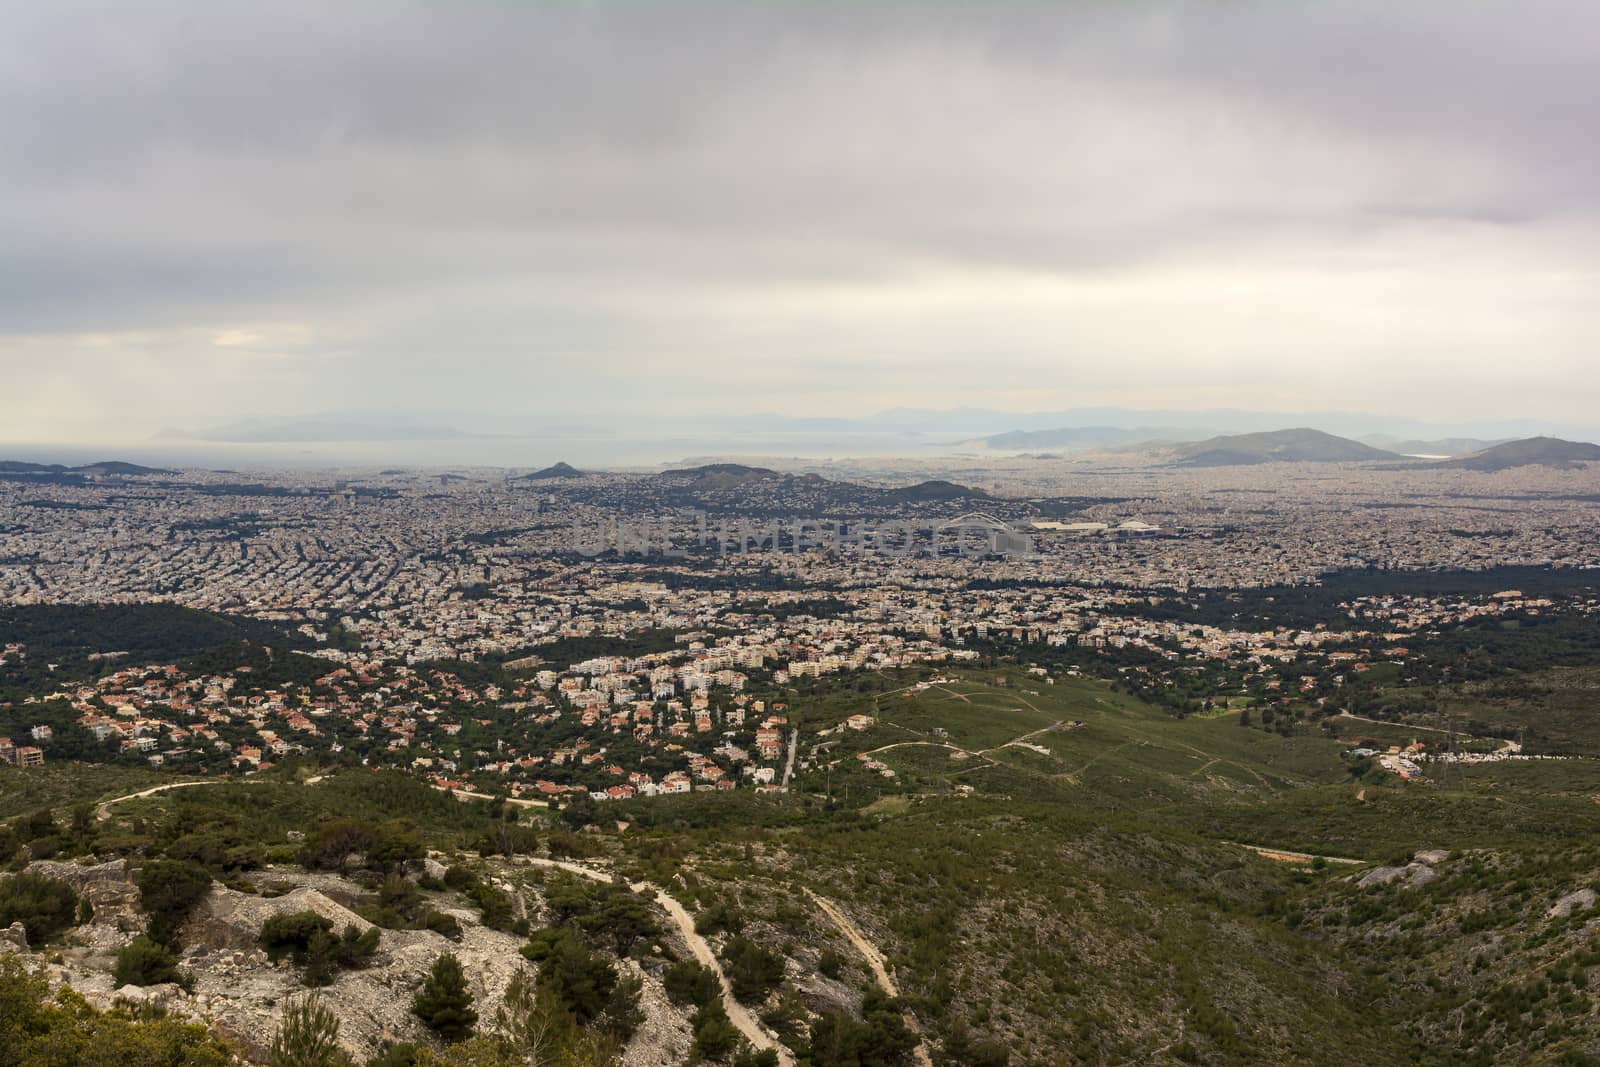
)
(231, 209)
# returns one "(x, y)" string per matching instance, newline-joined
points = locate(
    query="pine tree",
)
(443, 1003)
(309, 1037)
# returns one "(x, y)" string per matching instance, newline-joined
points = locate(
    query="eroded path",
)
(875, 963)
(738, 1014)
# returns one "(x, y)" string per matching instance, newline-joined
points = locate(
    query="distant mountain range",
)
(1443, 446)
(1070, 437)
(113, 467)
(1300, 445)
(1534, 451)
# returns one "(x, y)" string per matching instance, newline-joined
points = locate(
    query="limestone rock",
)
(228, 920)
(14, 939)
(1578, 900)
(1380, 876)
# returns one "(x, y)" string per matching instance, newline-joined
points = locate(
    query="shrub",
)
(687, 982)
(308, 1037)
(440, 923)
(495, 904)
(753, 972)
(714, 1033)
(145, 962)
(880, 1037)
(44, 906)
(402, 1055)
(169, 890)
(718, 917)
(291, 934)
(581, 980)
(443, 1003)
(393, 843)
(309, 939)
(331, 844)
(37, 1028)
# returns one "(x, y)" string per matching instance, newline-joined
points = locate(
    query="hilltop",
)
(557, 470)
(1529, 452)
(718, 476)
(1300, 445)
(935, 489)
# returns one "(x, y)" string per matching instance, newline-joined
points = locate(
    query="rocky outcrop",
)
(241, 994)
(228, 921)
(14, 938)
(1577, 900)
(108, 887)
(1414, 874)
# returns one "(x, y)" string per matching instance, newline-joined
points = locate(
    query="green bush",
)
(37, 1028)
(308, 1037)
(880, 1038)
(687, 982)
(291, 934)
(440, 923)
(168, 891)
(443, 1003)
(753, 972)
(714, 1033)
(331, 844)
(144, 962)
(309, 939)
(44, 906)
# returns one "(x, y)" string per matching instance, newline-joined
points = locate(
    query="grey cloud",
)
(588, 186)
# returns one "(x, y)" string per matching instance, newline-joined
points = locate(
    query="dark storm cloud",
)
(608, 184)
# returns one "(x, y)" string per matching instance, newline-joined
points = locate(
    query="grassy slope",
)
(59, 786)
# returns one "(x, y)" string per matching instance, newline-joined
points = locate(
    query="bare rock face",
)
(14, 939)
(229, 921)
(1578, 900)
(245, 993)
(108, 887)
(242, 995)
(1421, 874)
(665, 1035)
(162, 996)
(428, 868)
(1416, 874)
(1380, 876)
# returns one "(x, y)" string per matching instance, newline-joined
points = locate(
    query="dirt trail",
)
(468, 794)
(1286, 856)
(738, 1014)
(875, 962)
(103, 812)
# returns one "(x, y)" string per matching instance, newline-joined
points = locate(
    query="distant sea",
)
(584, 451)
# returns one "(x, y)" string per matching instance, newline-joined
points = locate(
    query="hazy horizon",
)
(603, 213)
